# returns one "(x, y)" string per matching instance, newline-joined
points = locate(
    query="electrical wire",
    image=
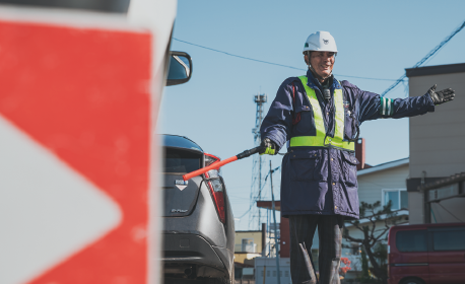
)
(449, 212)
(424, 59)
(250, 208)
(264, 183)
(271, 63)
(255, 199)
(272, 171)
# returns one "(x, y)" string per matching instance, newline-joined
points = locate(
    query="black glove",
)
(268, 147)
(442, 96)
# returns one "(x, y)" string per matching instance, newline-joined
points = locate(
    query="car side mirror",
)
(180, 69)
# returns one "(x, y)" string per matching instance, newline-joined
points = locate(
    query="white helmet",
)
(320, 41)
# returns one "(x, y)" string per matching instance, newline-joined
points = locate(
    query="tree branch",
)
(352, 239)
(381, 234)
(373, 262)
(373, 222)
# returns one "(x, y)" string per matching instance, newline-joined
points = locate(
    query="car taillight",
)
(215, 185)
(210, 159)
(216, 188)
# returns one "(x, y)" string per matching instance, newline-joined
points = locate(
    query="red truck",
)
(427, 254)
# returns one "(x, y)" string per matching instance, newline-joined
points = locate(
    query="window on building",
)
(398, 198)
(268, 273)
(286, 273)
(248, 245)
(274, 273)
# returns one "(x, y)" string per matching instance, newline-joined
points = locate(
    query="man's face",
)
(322, 62)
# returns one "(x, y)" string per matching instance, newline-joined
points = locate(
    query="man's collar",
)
(314, 83)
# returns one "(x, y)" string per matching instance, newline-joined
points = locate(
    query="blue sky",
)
(375, 39)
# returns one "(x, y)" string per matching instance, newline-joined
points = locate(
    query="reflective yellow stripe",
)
(318, 140)
(339, 117)
(317, 113)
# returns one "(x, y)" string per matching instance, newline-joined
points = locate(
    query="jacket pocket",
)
(349, 168)
(304, 166)
(303, 121)
(350, 126)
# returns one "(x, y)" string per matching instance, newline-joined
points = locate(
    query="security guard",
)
(320, 117)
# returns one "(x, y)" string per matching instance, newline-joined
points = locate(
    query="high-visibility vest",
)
(319, 139)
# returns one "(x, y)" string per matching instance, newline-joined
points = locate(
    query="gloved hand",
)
(442, 96)
(268, 147)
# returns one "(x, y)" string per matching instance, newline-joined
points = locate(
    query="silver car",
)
(198, 224)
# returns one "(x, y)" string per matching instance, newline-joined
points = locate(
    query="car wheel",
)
(412, 281)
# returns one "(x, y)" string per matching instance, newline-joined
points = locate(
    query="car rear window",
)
(180, 142)
(452, 239)
(181, 161)
(411, 241)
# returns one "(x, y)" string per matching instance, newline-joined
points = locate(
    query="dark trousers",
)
(302, 230)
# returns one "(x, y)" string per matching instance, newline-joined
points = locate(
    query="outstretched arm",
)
(372, 106)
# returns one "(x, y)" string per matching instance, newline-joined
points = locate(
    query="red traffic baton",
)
(217, 165)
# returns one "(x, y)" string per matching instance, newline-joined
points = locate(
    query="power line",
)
(238, 56)
(264, 183)
(423, 60)
(271, 63)
(275, 169)
(254, 199)
(449, 212)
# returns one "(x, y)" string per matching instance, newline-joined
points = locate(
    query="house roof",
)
(267, 204)
(435, 70)
(384, 166)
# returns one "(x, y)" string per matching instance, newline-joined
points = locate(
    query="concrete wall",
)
(415, 208)
(437, 140)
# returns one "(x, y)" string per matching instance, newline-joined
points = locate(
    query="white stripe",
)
(384, 106)
(48, 211)
(388, 111)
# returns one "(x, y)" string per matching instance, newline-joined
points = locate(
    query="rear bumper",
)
(186, 249)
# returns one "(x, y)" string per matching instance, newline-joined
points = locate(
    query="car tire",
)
(412, 281)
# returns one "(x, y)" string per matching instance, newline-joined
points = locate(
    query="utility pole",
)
(276, 241)
(255, 192)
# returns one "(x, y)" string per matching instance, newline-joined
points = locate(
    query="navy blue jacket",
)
(320, 180)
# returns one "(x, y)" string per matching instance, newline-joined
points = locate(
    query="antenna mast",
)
(255, 192)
